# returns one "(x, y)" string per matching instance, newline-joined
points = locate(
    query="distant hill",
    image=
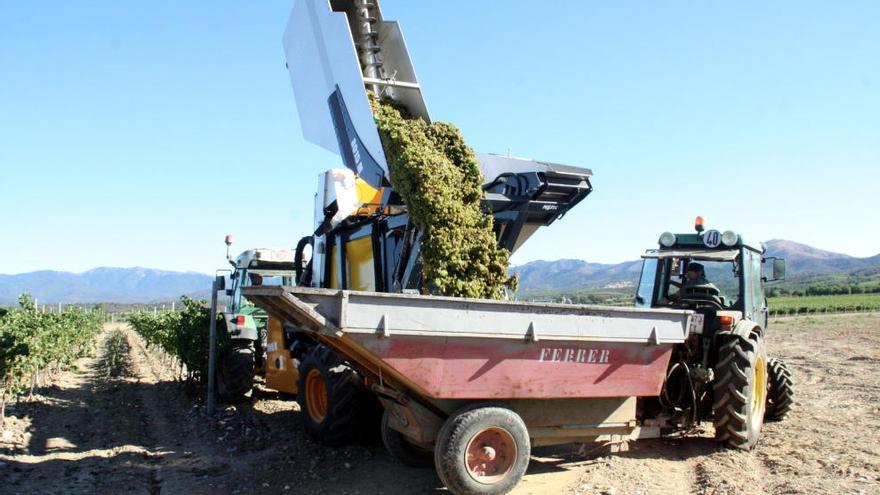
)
(803, 264)
(549, 276)
(105, 284)
(801, 259)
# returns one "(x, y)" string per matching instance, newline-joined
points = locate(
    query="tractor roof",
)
(702, 254)
(266, 257)
(699, 242)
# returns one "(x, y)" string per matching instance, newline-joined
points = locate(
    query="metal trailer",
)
(480, 382)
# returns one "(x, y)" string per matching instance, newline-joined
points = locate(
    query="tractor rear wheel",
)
(780, 395)
(740, 391)
(331, 398)
(482, 451)
(235, 371)
(402, 449)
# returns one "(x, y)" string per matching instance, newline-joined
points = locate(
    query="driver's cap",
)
(696, 267)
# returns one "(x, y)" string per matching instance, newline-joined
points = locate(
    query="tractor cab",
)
(718, 274)
(255, 343)
(268, 267)
(262, 266)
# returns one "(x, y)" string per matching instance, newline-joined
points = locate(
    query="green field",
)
(824, 304)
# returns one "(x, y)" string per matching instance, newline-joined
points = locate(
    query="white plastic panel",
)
(321, 55)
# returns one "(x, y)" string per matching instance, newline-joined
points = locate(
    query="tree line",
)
(823, 290)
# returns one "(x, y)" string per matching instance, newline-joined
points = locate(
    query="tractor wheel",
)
(740, 391)
(780, 394)
(482, 451)
(235, 371)
(402, 449)
(331, 398)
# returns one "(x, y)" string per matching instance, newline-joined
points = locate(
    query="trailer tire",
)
(235, 371)
(482, 451)
(740, 391)
(780, 394)
(403, 450)
(331, 398)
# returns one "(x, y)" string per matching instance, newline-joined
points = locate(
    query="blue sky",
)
(140, 133)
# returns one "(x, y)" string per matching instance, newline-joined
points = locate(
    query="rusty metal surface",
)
(407, 314)
(448, 348)
(481, 368)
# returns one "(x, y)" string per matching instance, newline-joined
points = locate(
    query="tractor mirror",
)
(778, 269)
(774, 269)
(220, 282)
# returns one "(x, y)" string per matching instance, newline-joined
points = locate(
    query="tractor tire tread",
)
(346, 397)
(780, 395)
(235, 376)
(731, 392)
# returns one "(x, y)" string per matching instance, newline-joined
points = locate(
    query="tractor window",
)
(645, 294)
(754, 285)
(269, 278)
(721, 281)
(236, 290)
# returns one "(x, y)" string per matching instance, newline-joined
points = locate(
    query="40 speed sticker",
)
(712, 238)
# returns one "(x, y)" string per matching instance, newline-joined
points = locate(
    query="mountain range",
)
(105, 284)
(144, 285)
(802, 262)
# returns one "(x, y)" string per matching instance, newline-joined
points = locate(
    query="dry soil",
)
(121, 423)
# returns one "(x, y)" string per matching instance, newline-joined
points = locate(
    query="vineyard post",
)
(212, 344)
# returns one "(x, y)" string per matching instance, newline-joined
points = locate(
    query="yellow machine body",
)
(281, 372)
(360, 269)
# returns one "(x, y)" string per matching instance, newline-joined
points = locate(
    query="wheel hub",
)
(490, 455)
(316, 396)
(759, 392)
(486, 454)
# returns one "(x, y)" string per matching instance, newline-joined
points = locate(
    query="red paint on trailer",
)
(479, 368)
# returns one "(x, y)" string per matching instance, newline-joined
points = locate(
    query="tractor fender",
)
(745, 328)
(239, 332)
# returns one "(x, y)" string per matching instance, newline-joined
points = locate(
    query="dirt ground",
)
(119, 423)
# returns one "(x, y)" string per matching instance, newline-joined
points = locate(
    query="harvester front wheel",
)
(330, 397)
(740, 391)
(235, 371)
(403, 450)
(482, 451)
(780, 395)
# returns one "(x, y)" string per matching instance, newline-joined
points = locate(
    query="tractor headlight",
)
(729, 238)
(667, 239)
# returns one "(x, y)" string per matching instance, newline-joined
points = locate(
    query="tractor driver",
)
(695, 277)
(695, 281)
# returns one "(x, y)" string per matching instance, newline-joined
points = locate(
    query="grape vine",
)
(32, 342)
(182, 335)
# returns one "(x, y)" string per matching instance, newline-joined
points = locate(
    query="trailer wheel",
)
(331, 397)
(740, 391)
(482, 451)
(780, 394)
(235, 371)
(401, 449)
